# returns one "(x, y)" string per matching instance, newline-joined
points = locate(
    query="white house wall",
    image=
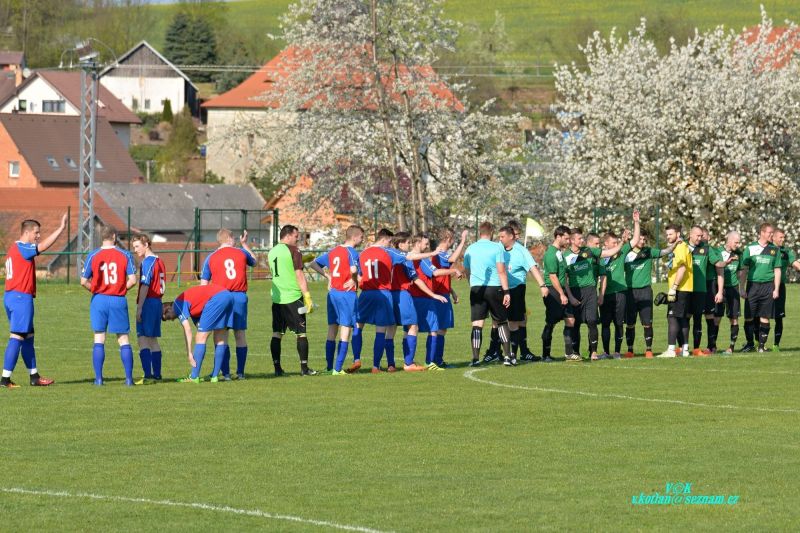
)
(35, 93)
(156, 90)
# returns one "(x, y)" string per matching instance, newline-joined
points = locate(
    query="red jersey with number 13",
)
(108, 270)
(376, 269)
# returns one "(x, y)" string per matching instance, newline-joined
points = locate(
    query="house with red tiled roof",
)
(43, 151)
(229, 153)
(51, 92)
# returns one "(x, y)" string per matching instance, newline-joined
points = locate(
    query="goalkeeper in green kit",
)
(291, 300)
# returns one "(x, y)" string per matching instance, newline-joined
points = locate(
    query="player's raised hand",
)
(636, 215)
(464, 234)
(243, 237)
(63, 221)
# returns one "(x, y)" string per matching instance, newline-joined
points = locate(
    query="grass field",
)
(541, 31)
(558, 446)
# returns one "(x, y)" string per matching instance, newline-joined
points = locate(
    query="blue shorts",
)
(19, 310)
(342, 308)
(426, 314)
(217, 312)
(403, 307)
(375, 307)
(150, 326)
(444, 313)
(109, 314)
(239, 315)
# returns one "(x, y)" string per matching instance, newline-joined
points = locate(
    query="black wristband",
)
(506, 292)
(542, 286)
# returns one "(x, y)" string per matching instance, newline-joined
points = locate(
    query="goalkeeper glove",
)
(672, 294)
(309, 305)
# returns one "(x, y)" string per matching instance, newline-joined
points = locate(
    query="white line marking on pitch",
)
(686, 369)
(470, 374)
(202, 506)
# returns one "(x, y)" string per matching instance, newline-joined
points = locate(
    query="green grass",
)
(541, 30)
(399, 452)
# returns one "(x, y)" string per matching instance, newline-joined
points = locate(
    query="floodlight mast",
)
(88, 151)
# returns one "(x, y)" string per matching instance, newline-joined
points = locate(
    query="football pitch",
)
(555, 446)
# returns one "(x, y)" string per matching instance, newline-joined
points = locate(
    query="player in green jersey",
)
(614, 287)
(639, 278)
(731, 304)
(759, 284)
(556, 302)
(582, 264)
(704, 258)
(291, 300)
(788, 258)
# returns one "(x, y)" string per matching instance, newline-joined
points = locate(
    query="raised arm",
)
(637, 229)
(460, 248)
(51, 239)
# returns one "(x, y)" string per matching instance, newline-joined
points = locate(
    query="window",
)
(134, 103)
(54, 106)
(13, 169)
(70, 162)
(23, 106)
(53, 163)
(147, 104)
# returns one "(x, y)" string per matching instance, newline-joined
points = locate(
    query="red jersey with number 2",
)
(376, 269)
(339, 261)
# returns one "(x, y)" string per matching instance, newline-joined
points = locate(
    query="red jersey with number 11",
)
(376, 269)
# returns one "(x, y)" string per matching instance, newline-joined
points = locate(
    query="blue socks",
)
(241, 359)
(147, 362)
(126, 354)
(155, 361)
(98, 358)
(356, 344)
(330, 348)
(388, 345)
(377, 347)
(411, 349)
(440, 350)
(433, 347)
(29, 353)
(341, 355)
(199, 354)
(12, 354)
(428, 357)
(226, 362)
(219, 356)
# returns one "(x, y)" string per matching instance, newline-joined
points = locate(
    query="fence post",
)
(275, 227)
(69, 241)
(180, 256)
(197, 236)
(129, 228)
(658, 239)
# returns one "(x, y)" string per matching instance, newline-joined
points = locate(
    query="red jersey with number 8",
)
(227, 267)
(376, 269)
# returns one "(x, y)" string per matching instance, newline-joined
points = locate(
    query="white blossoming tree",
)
(358, 108)
(708, 131)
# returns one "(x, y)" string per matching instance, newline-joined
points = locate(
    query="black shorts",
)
(682, 306)
(485, 299)
(517, 311)
(759, 302)
(640, 302)
(711, 292)
(287, 316)
(614, 308)
(780, 303)
(586, 311)
(698, 303)
(554, 312)
(731, 303)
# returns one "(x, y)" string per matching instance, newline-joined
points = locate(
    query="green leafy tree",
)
(190, 40)
(166, 114)
(173, 159)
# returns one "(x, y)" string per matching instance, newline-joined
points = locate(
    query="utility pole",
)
(88, 152)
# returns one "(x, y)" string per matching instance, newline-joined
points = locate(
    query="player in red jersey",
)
(227, 267)
(108, 273)
(444, 259)
(342, 276)
(210, 308)
(20, 290)
(152, 284)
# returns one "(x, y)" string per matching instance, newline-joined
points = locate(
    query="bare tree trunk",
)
(387, 130)
(417, 187)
